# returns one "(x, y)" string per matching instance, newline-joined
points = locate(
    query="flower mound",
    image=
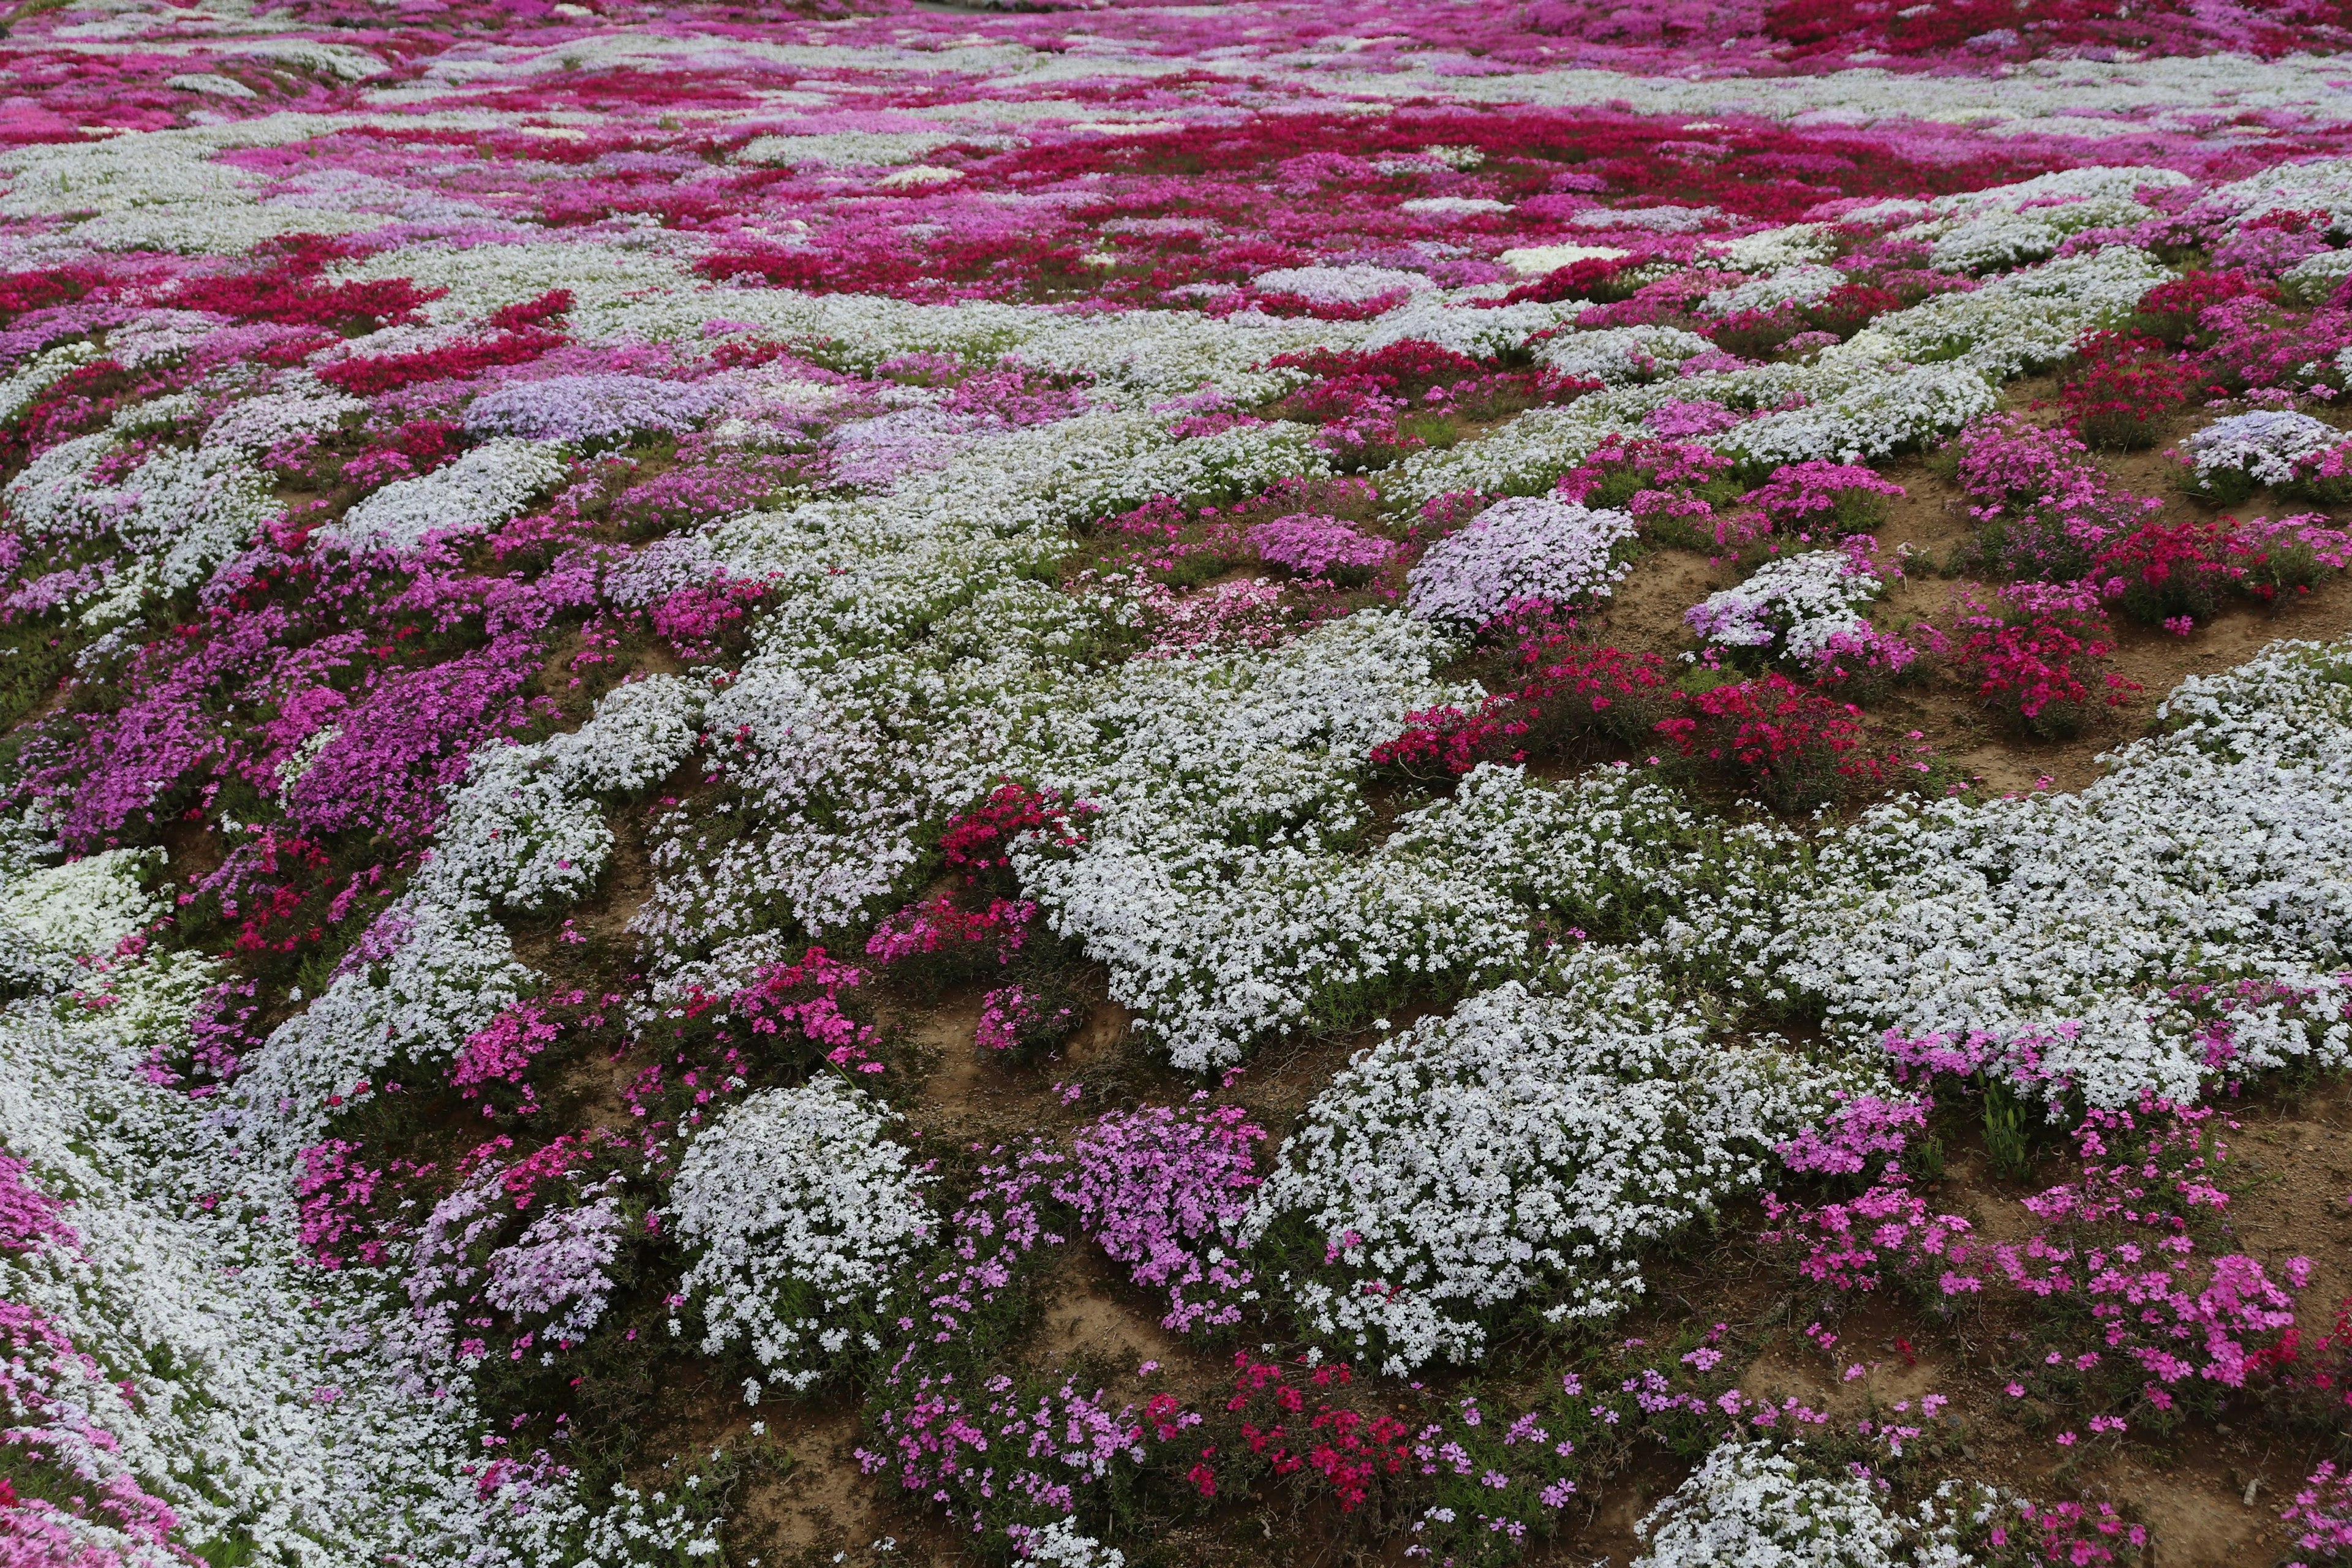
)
(797, 1210)
(1522, 550)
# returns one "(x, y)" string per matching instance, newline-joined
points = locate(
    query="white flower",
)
(797, 1208)
(1806, 283)
(1529, 1145)
(1798, 601)
(1522, 548)
(2264, 445)
(1350, 285)
(2185, 912)
(487, 486)
(1615, 356)
(1748, 1505)
(1535, 260)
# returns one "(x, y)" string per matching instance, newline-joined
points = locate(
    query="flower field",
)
(1127, 784)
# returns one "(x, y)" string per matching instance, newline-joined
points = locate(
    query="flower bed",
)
(713, 715)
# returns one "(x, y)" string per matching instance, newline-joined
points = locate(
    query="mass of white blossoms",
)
(487, 486)
(160, 526)
(797, 1207)
(254, 1393)
(2264, 446)
(1528, 1146)
(2187, 910)
(1521, 549)
(1758, 1507)
(1798, 602)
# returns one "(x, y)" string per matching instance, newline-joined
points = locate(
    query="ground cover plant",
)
(1113, 783)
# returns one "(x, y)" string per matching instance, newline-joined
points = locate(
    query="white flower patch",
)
(2320, 184)
(481, 489)
(2185, 914)
(2007, 237)
(1850, 401)
(1614, 850)
(155, 337)
(1871, 416)
(425, 977)
(237, 1382)
(2314, 278)
(178, 514)
(909, 645)
(301, 406)
(1535, 260)
(1800, 602)
(1806, 283)
(1664, 219)
(1062, 1545)
(1617, 356)
(1772, 249)
(44, 371)
(1351, 285)
(797, 1208)
(1463, 327)
(1529, 1145)
(2264, 445)
(2013, 323)
(852, 148)
(1522, 548)
(2094, 182)
(607, 406)
(1759, 1508)
(525, 830)
(82, 908)
(1452, 207)
(1216, 881)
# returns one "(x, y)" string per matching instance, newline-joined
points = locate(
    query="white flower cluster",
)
(39, 374)
(2187, 910)
(1216, 882)
(849, 149)
(490, 484)
(175, 515)
(1770, 249)
(1667, 219)
(1535, 260)
(1620, 356)
(1615, 851)
(2264, 445)
(2314, 278)
(797, 1208)
(1750, 1504)
(1800, 602)
(526, 828)
(1350, 285)
(1062, 1545)
(2006, 238)
(1520, 549)
(1464, 327)
(913, 658)
(1805, 283)
(1528, 1145)
(53, 916)
(300, 406)
(2319, 184)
